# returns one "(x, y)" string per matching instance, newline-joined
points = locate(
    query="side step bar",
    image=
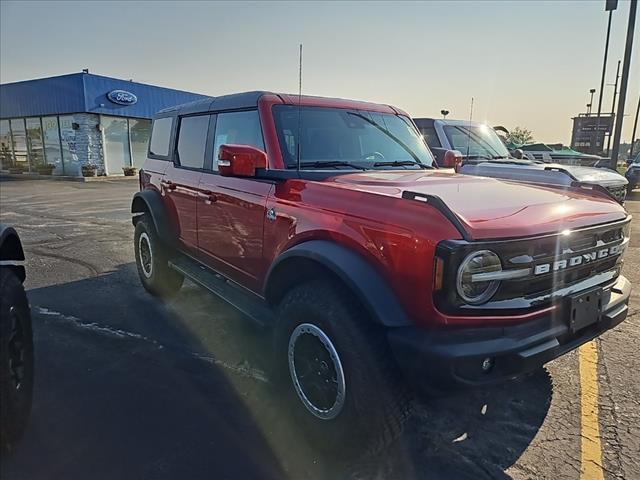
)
(252, 306)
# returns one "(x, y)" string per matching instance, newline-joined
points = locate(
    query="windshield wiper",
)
(390, 135)
(327, 164)
(400, 163)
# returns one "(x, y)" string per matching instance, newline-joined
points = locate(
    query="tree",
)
(520, 135)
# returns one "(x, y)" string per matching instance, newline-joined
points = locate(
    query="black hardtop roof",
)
(224, 102)
(237, 101)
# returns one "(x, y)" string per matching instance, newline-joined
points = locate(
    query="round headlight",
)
(474, 282)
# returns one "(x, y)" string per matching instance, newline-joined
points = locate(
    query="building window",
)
(139, 133)
(6, 152)
(34, 143)
(52, 150)
(19, 136)
(192, 141)
(68, 143)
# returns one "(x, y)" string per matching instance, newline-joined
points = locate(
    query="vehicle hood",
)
(600, 176)
(491, 208)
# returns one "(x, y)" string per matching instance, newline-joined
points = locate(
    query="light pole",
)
(633, 8)
(635, 127)
(613, 106)
(610, 6)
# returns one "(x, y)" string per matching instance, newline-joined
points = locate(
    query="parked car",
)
(16, 341)
(633, 173)
(324, 220)
(484, 154)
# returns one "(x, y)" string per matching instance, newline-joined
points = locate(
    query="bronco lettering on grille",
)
(576, 260)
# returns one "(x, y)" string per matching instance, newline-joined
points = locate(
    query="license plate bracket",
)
(585, 309)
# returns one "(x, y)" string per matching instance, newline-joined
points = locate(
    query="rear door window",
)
(192, 141)
(161, 137)
(240, 128)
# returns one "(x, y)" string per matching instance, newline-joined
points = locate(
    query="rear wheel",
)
(340, 375)
(152, 261)
(16, 359)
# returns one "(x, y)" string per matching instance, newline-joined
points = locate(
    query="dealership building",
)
(79, 119)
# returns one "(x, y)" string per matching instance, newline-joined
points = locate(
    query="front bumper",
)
(633, 177)
(453, 357)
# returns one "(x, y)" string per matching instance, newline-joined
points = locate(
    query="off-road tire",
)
(153, 266)
(16, 359)
(377, 402)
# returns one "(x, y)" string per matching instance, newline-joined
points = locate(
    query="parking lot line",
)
(591, 448)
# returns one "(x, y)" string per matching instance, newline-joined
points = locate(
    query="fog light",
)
(487, 365)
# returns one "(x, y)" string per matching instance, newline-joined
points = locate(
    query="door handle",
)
(168, 185)
(208, 197)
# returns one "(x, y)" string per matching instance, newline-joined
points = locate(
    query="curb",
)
(35, 176)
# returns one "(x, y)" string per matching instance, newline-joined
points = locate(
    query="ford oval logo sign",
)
(122, 97)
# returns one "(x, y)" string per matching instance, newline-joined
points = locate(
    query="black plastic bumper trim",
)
(452, 357)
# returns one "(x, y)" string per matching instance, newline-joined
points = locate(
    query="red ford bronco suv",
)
(326, 220)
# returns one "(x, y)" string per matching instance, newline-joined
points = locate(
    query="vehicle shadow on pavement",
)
(470, 434)
(128, 386)
(113, 400)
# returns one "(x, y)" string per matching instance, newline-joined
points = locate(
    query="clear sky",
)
(526, 63)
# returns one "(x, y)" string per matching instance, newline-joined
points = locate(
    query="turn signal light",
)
(438, 272)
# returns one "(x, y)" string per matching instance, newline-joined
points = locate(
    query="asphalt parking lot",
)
(128, 387)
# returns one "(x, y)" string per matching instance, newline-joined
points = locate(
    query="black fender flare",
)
(151, 201)
(364, 281)
(11, 251)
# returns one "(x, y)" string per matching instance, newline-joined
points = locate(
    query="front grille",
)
(555, 265)
(565, 259)
(619, 192)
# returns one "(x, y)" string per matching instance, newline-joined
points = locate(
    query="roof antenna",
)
(469, 129)
(299, 110)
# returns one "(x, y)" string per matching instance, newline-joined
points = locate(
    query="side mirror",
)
(452, 159)
(240, 160)
(518, 153)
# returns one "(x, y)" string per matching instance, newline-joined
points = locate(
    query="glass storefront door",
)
(34, 143)
(19, 134)
(68, 143)
(117, 152)
(139, 134)
(52, 151)
(6, 151)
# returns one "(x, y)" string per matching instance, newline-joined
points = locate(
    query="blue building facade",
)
(69, 121)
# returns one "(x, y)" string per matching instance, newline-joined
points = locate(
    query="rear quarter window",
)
(430, 136)
(161, 137)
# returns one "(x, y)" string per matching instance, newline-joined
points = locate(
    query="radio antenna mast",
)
(469, 129)
(299, 110)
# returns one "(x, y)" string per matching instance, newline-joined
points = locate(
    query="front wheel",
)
(152, 261)
(341, 377)
(16, 359)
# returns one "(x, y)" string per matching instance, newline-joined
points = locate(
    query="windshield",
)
(476, 141)
(335, 138)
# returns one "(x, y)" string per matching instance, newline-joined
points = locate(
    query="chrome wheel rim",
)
(316, 371)
(16, 349)
(145, 255)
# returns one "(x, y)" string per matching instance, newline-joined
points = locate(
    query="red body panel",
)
(180, 189)
(490, 208)
(226, 217)
(230, 228)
